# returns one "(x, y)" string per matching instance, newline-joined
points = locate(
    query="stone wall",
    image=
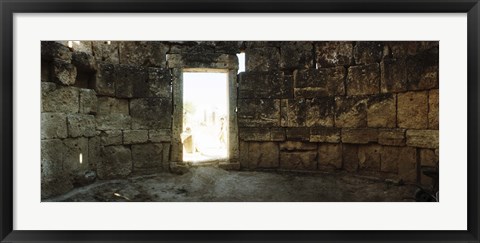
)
(364, 107)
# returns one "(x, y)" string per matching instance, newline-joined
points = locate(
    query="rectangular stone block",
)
(423, 138)
(277, 134)
(433, 115)
(262, 59)
(334, 53)
(159, 84)
(394, 137)
(129, 80)
(84, 61)
(113, 122)
(313, 83)
(105, 80)
(422, 70)
(81, 125)
(151, 113)
(308, 112)
(401, 160)
(369, 157)
(106, 52)
(298, 133)
(147, 155)
(363, 80)
(394, 75)
(258, 113)
(305, 160)
(135, 136)
(412, 110)
(54, 125)
(381, 111)
(366, 52)
(203, 61)
(359, 135)
(116, 162)
(350, 157)
(254, 134)
(52, 152)
(88, 101)
(262, 155)
(350, 112)
(59, 99)
(330, 155)
(297, 55)
(75, 155)
(111, 137)
(297, 146)
(325, 135)
(266, 85)
(143, 53)
(157, 136)
(64, 72)
(109, 105)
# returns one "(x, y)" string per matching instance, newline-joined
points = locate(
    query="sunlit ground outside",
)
(205, 117)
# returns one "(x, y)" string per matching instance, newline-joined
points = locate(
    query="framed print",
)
(239, 121)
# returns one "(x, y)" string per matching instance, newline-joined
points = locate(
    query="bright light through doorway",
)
(205, 117)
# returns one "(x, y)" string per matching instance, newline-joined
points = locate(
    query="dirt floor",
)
(207, 184)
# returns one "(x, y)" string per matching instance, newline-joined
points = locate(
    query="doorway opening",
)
(205, 126)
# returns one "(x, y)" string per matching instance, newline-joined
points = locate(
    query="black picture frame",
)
(9, 7)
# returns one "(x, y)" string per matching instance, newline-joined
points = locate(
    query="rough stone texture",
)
(111, 137)
(423, 138)
(350, 112)
(295, 54)
(135, 136)
(130, 79)
(105, 52)
(113, 122)
(143, 53)
(401, 160)
(52, 157)
(88, 101)
(433, 114)
(157, 136)
(73, 147)
(394, 137)
(262, 59)
(94, 152)
(258, 113)
(412, 110)
(325, 135)
(366, 52)
(116, 162)
(81, 125)
(147, 155)
(297, 145)
(54, 125)
(260, 134)
(422, 70)
(262, 155)
(359, 135)
(64, 72)
(159, 84)
(330, 155)
(393, 75)
(369, 157)
(305, 160)
(363, 80)
(334, 53)
(84, 61)
(381, 111)
(350, 157)
(105, 80)
(109, 105)
(51, 50)
(308, 112)
(430, 159)
(313, 83)
(298, 134)
(59, 99)
(151, 113)
(267, 85)
(203, 60)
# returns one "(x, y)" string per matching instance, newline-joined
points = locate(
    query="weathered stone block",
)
(369, 157)
(394, 137)
(147, 155)
(254, 134)
(313, 83)
(297, 145)
(81, 125)
(52, 152)
(381, 111)
(262, 155)
(277, 134)
(130, 81)
(135, 136)
(228, 47)
(161, 135)
(151, 113)
(51, 50)
(159, 84)
(202, 60)
(111, 137)
(267, 85)
(305, 160)
(116, 162)
(54, 125)
(359, 135)
(297, 55)
(84, 62)
(325, 135)
(75, 155)
(363, 80)
(433, 115)
(182, 47)
(59, 99)
(412, 110)
(64, 72)
(109, 105)
(422, 138)
(334, 53)
(298, 133)
(113, 122)
(258, 112)
(94, 152)
(366, 52)
(262, 59)
(350, 112)
(401, 160)
(422, 70)
(308, 112)
(105, 80)
(88, 101)
(330, 155)
(143, 53)
(105, 51)
(394, 76)
(350, 157)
